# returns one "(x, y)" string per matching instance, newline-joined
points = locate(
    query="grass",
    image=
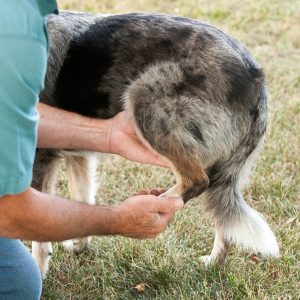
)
(170, 265)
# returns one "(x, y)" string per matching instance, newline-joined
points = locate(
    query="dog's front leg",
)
(81, 172)
(42, 253)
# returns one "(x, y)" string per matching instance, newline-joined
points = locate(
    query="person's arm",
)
(33, 215)
(66, 130)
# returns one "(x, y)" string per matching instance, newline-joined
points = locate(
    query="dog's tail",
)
(238, 222)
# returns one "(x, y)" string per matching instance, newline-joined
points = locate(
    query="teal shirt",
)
(23, 61)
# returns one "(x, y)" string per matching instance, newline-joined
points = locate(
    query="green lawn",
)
(170, 265)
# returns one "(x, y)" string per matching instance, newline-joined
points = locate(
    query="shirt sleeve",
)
(22, 71)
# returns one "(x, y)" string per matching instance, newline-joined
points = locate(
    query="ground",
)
(169, 265)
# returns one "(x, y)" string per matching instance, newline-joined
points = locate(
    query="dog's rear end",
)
(210, 137)
(196, 96)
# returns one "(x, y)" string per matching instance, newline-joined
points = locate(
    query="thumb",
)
(169, 204)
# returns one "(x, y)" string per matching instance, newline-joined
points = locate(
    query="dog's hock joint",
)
(195, 190)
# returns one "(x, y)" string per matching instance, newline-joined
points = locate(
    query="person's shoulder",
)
(21, 18)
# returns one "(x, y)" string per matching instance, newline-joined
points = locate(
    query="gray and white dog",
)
(196, 96)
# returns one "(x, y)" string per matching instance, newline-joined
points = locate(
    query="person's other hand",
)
(145, 216)
(124, 141)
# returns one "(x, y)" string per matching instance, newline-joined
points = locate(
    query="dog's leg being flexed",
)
(191, 179)
(163, 115)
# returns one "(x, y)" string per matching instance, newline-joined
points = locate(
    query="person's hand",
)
(145, 216)
(124, 141)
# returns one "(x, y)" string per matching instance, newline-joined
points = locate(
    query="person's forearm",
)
(60, 129)
(66, 130)
(42, 217)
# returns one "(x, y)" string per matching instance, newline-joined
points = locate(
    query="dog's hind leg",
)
(235, 221)
(81, 174)
(45, 169)
(167, 120)
(219, 251)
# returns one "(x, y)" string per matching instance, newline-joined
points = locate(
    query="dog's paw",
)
(76, 245)
(42, 252)
(207, 260)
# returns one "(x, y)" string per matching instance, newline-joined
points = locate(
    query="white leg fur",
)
(218, 252)
(81, 175)
(250, 232)
(42, 252)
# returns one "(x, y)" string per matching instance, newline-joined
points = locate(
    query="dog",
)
(196, 96)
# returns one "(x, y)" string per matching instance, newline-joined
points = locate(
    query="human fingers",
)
(167, 205)
(154, 192)
(141, 192)
(157, 191)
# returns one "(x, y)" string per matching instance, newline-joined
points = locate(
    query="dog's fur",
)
(196, 96)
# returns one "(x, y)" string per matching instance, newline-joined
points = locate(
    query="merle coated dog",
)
(196, 96)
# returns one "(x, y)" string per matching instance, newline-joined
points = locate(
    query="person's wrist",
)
(110, 140)
(117, 220)
(104, 220)
(103, 141)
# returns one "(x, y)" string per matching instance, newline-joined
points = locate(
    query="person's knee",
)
(21, 282)
(29, 281)
(20, 276)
